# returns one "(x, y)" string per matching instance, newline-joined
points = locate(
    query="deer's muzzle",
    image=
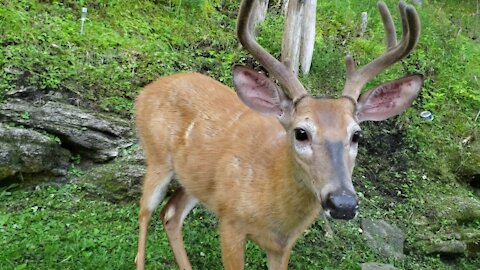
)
(341, 206)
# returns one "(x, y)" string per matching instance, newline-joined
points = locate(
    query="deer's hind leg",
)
(154, 188)
(173, 215)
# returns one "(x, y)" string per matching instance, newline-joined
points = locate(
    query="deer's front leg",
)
(232, 243)
(278, 260)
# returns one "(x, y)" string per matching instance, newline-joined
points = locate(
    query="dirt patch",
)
(383, 161)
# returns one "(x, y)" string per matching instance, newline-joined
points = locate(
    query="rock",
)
(377, 266)
(468, 210)
(25, 151)
(119, 180)
(387, 240)
(21, 91)
(451, 227)
(468, 170)
(420, 221)
(452, 247)
(463, 209)
(473, 234)
(471, 237)
(418, 2)
(96, 136)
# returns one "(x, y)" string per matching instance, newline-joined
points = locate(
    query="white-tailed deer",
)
(268, 161)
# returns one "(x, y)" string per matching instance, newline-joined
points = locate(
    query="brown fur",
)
(232, 159)
(251, 170)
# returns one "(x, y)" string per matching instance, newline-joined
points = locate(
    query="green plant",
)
(404, 165)
(74, 171)
(25, 116)
(75, 159)
(55, 139)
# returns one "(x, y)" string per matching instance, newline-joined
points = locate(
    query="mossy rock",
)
(471, 237)
(451, 247)
(451, 227)
(27, 154)
(385, 239)
(6, 172)
(119, 180)
(377, 266)
(462, 209)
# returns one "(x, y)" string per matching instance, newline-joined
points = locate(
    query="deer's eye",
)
(301, 135)
(356, 136)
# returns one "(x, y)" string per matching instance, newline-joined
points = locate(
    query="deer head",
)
(323, 133)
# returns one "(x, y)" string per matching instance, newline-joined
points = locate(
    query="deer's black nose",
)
(342, 206)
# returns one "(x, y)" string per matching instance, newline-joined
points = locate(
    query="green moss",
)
(405, 166)
(125, 45)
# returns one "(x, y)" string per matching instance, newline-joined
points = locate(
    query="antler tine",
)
(350, 64)
(280, 71)
(355, 80)
(390, 35)
(402, 7)
(414, 29)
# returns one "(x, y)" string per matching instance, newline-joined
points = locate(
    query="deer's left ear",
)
(389, 99)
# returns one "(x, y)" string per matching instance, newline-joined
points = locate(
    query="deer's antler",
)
(356, 79)
(281, 72)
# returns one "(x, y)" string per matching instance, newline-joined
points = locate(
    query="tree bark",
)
(308, 35)
(292, 34)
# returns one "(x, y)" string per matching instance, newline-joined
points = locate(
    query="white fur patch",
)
(170, 212)
(190, 204)
(189, 130)
(305, 149)
(236, 162)
(353, 150)
(159, 193)
(352, 128)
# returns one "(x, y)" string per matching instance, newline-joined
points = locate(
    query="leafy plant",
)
(25, 116)
(404, 165)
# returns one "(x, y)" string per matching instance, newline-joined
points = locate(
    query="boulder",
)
(377, 266)
(451, 227)
(463, 209)
(118, 180)
(471, 237)
(451, 247)
(25, 152)
(465, 241)
(466, 210)
(93, 135)
(383, 238)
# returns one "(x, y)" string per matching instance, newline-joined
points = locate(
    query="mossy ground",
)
(405, 165)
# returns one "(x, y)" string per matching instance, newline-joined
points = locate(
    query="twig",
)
(475, 29)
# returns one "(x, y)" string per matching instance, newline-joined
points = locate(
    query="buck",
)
(270, 160)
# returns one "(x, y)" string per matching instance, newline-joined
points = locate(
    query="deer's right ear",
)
(259, 92)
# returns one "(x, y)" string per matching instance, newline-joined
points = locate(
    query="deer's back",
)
(196, 124)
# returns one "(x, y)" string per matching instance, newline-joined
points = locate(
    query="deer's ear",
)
(258, 92)
(389, 99)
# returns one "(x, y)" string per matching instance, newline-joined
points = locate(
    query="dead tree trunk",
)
(299, 34)
(299, 31)
(292, 34)
(260, 10)
(308, 35)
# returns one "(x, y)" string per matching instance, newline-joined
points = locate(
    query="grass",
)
(59, 226)
(405, 166)
(125, 45)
